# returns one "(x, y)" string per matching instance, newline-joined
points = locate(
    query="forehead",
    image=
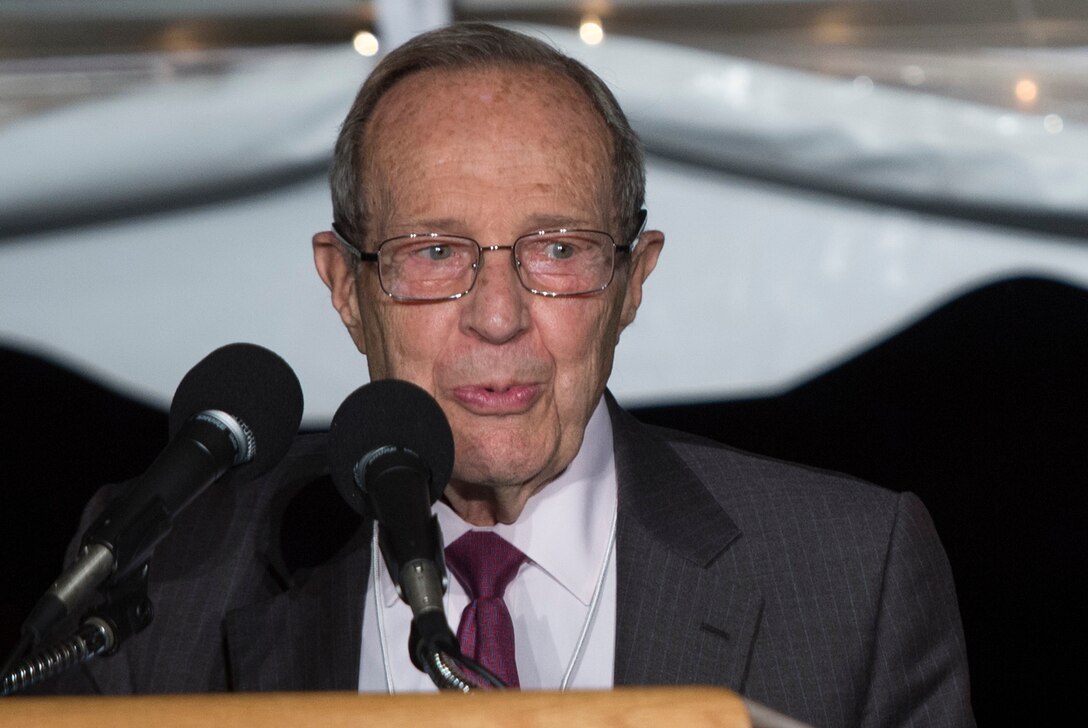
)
(452, 120)
(483, 86)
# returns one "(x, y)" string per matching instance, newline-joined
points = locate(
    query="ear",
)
(644, 260)
(338, 274)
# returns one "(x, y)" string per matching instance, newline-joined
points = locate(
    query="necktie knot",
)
(484, 563)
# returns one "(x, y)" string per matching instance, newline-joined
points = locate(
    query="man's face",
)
(492, 155)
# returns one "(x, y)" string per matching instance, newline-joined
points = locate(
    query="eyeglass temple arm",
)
(358, 254)
(641, 218)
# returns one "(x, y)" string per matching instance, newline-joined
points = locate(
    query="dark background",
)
(981, 408)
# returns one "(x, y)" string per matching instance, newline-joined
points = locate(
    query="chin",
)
(501, 468)
(505, 453)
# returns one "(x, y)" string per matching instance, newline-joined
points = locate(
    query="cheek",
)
(580, 335)
(405, 341)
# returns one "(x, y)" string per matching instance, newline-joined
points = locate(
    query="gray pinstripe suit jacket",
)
(821, 596)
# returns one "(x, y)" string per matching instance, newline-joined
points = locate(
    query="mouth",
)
(507, 399)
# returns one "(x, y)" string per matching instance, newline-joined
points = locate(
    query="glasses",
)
(439, 267)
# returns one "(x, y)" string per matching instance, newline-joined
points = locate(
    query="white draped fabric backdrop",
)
(765, 279)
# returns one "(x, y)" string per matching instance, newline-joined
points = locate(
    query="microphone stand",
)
(126, 611)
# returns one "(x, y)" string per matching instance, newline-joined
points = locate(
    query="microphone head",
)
(389, 413)
(251, 384)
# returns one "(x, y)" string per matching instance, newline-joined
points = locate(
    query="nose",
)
(496, 310)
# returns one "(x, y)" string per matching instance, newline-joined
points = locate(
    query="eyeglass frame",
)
(375, 257)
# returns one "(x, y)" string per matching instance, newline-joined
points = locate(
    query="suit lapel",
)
(677, 621)
(308, 637)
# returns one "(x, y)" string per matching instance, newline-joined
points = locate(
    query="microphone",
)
(391, 454)
(238, 408)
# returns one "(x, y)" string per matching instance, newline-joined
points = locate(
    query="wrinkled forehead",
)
(522, 109)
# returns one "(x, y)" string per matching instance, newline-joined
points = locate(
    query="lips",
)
(497, 400)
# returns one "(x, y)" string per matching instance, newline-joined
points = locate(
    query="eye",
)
(560, 250)
(427, 252)
(437, 252)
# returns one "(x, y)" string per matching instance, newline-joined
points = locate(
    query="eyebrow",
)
(427, 225)
(548, 222)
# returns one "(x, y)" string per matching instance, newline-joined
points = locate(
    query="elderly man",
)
(488, 247)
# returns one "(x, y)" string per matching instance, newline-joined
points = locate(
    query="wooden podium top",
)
(643, 707)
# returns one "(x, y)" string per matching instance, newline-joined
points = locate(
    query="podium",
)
(694, 707)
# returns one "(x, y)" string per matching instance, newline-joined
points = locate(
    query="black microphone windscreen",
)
(389, 413)
(251, 384)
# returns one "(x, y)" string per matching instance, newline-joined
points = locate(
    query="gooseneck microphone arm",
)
(125, 611)
(92, 640)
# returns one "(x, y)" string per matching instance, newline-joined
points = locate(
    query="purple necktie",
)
(485, 564)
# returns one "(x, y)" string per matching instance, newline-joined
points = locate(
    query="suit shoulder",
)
(794, 510)
(726, 468)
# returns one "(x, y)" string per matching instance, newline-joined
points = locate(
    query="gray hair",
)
(478, 46)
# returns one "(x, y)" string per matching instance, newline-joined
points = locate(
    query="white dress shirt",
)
(566, 587)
